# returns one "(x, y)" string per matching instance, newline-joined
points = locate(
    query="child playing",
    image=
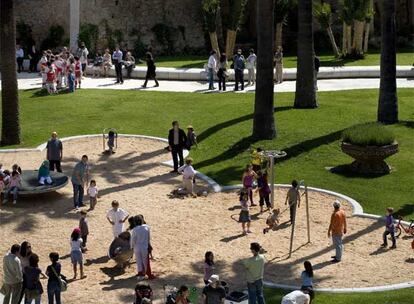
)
(43, 65)
(188, 173)
(50, 78)
(272, 220)
(191, 137)
(111, 141)
(93, 194)
(264, 190)
(84, 228)
(389, 229)
(244, 217)
(44, 174)
(257, 157)
(71, 79)
(78, 72)
(293, 197)
(76, 255)
(247, 179)
(117, 217)
(208, 266)
(13, 187)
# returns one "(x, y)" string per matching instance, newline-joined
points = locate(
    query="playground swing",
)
(110, 135)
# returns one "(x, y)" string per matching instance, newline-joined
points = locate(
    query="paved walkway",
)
(32, 81)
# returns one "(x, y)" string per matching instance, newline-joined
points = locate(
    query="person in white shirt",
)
(188, 173)
(297, 297)
(12, 276)
(140, 240)
(117, 61)
(93, 194)
(117, 217)
(19, 58)
(211, 68)
(251, 65)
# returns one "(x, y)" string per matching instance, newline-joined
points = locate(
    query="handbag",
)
(62, 283)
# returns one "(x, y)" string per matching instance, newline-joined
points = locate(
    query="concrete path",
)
(32, 81)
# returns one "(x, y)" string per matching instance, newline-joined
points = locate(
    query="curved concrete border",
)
(357, 210)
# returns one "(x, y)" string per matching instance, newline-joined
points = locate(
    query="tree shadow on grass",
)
(405, 210)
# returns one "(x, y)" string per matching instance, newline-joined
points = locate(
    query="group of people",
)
(10, 182)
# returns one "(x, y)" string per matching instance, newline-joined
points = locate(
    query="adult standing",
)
(34, 58)
(117, 61)
(251, 66)
(254, 274)
(54, 152)
(82, 53)
(12, 276)
(337, 228)
(19, 57)
(176, 141)
(211, 69)
(297, 297)
(150, 70)
(33, 288)
(214, 293)
(80, 177)
(140, 240)
(278, 59)
(222, 72)
(239, 65)
(317, 64)
(53, 271)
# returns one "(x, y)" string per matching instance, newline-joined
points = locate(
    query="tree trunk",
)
(344, 39)
(305, 95)
(230, 42)
(263, 118)
(278, 36)
(388, 102)
(348, 39)
(214, 43)
(358, 37)
(10, 131)
(366, 36)
(333, 43)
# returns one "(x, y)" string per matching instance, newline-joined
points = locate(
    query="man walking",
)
(176, 141)
(212, 67)
(140, 240)
(254, 274)
(80, 177)
(337, 228)
(12, 276)
(117, 61)
(54, 153)
(239, 66)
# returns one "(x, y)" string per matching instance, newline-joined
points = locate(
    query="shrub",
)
(371, 134)
(89, 33)
(54, 37)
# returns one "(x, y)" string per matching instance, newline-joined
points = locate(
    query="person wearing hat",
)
(214, 293)
(176, 144)
(191, 137)
(297, 297)
(188, 173)
(43, 174)
(254, 274)
(337, 228)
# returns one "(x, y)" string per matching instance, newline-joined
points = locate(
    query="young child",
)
(257, 158)
(306, 278)
(389, 229)
(116, 217)
(17, 168)
(111, 141)
(293, 197)
(50, 78)
(44, 174)
(272, 220)
(93, 194)
(264, 190)
(78, 72)
(188, 173)
(84, 228)
(244, 217)
(13, 187)
(247, 179)
(208, 266)
(191, 138)
(43, 65)
(59, 63)
(71, 77)
(76, 254)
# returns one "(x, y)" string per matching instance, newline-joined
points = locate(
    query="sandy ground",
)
(183, 229)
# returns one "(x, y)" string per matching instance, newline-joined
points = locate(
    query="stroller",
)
(120, 250)
(143, 293)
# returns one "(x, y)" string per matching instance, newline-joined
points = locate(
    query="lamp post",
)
(272, 155)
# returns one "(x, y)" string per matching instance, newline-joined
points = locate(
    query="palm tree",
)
(282, 8)
(10, 131)
(323, 14)
(235, 16)
(347, 19)
(305, 95)
(388, 102)
(360, 11)
(210, 11)
(263, 119)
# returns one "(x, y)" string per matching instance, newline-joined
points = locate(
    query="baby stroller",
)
(120, 250)
(143, 293)
(112, 140)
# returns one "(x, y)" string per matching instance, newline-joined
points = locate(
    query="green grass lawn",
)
(404, 296)
(223, 123)
(404, 57)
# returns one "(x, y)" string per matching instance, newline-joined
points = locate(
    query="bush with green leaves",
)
(89, 33)
(54, 38)
(371, 134)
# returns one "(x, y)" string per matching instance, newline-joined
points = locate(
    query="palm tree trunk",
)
(344, 39)
(305, 95)
(333, 42)
(388, 101)
(10, 131)
(214, 42)
(230, 42)
(278, 36)
(348, 39)
(366, 36)
(263, 118)
(358, 37)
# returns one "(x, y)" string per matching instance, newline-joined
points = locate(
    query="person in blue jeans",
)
(79, 178)
(254, 274)
(53, 283)
(239, 65)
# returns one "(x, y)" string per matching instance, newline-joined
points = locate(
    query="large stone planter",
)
(369, 160)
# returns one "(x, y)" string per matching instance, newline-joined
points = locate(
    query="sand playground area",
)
(183, 229)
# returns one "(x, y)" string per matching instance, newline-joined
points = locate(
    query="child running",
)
(244, 217)
(247, 179)
(264, 190)
(272, 220)
(93, 194)
(76, 254)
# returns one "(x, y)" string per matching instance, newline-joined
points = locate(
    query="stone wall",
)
(182, 17)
